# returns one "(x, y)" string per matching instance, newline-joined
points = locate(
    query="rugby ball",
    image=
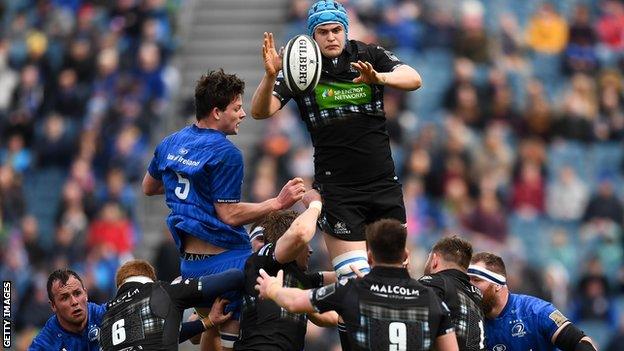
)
(302, 64)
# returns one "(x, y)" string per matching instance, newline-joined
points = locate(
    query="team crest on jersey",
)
(518, 330)
(94, 333)
(341, 228)
(499, 347)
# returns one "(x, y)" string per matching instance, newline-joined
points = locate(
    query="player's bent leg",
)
(343, 254)
(229, 334)
(210, 340)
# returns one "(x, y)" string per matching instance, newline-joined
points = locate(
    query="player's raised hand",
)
(272, 59)
(368, 74)
(268, 285)
(311, 195)
(292, 192)
(217, 315)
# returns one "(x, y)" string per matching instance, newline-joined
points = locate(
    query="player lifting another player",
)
(354, 171)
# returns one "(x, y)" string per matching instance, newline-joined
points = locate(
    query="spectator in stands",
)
(528, 191)
(55, 147)
(15, 154)
(112, 228)
(566, 196)
(11, 196)
(580, 55)
(610, 27)
(547, 31)
(604, 205)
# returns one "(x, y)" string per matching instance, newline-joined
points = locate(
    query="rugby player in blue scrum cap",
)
(515, 322)
(344, 113)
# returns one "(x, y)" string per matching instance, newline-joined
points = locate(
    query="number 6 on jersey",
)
(119, 332)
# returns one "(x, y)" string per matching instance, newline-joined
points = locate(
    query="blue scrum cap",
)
(327, 11)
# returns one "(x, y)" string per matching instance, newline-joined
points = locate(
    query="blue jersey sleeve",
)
(226, 177)
(45, 340)
(153, 168)
(549, 319)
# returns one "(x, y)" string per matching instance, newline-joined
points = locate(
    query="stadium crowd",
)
(84, 84)
(515, 141)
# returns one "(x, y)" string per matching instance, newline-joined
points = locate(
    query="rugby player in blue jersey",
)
(75, 324)
(200, 172)
(515, 322)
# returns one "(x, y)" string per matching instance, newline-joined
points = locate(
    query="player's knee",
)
(227, 340)
(342, 264)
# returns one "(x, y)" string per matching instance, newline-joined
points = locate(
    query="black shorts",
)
(347, 209)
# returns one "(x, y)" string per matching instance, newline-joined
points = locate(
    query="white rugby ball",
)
(302, 64)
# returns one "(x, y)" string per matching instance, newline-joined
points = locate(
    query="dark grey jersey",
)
(464, 301)
(147, 316)
(386, 310)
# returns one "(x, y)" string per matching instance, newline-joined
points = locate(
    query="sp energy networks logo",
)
(339, 94)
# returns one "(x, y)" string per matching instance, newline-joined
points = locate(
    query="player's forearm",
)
(190, 329)
(292, 299)
(242, 213)
(403, 77)
(298, 235)
(261, 100)
(216, 284)
(329, 277)
(326, 320)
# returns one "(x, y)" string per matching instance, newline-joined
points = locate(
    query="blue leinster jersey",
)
(526, 323)
(200, 167)
(54, 338)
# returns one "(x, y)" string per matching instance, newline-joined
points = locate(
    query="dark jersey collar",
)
(455, 273)
(390, 272)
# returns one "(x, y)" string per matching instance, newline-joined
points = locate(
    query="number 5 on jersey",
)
(182, 190)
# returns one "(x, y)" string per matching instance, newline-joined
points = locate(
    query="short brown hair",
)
(492, 262)
(454, 249)
(386, 239)
(277, 223)
(134, 268)
(216, 89)
(62, 275)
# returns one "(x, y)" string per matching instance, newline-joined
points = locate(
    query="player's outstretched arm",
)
(240, 213)
(403, 77)
(446, 342)
(193, 328)
(292, 299)
(152, 186)
(263, 103)
(301, 231)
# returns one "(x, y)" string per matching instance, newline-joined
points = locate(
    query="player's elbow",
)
(416, 81)
(257, 113)
(148, 189)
